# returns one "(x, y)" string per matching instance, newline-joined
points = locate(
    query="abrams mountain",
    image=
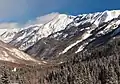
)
(66, 34)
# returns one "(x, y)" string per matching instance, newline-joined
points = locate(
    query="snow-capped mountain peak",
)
(29, 35)
(85, 30)
(59, 34)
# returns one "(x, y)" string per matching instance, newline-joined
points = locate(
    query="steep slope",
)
(85, 32)
(28, 36)
(11, 54)
(65, 35)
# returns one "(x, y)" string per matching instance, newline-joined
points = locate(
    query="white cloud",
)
(39, 20)
(42, 19)
(15, 10)
(9, 25)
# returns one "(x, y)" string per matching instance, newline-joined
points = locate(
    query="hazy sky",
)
(20, 11)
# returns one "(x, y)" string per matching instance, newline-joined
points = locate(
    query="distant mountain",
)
(13, 55)
(28, 36)
(66, 34)
(83, 49)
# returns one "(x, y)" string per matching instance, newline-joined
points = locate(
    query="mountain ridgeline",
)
(83, 49)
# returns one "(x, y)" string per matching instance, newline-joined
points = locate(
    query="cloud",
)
(9, 25)
(39, 20)
(12, 12)
(42, 19)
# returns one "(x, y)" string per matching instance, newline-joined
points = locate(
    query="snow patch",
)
(84, 36)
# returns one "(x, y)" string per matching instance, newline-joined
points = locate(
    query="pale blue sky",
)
(21, 11)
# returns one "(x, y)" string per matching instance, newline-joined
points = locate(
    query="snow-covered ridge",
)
(97, 18)
(28, 36)
(7, 35)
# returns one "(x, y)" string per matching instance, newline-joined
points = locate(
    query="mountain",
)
(100, 65)
(7, 34)
(13, 55)
(28, 36)
(66, 34)
(83, 49)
